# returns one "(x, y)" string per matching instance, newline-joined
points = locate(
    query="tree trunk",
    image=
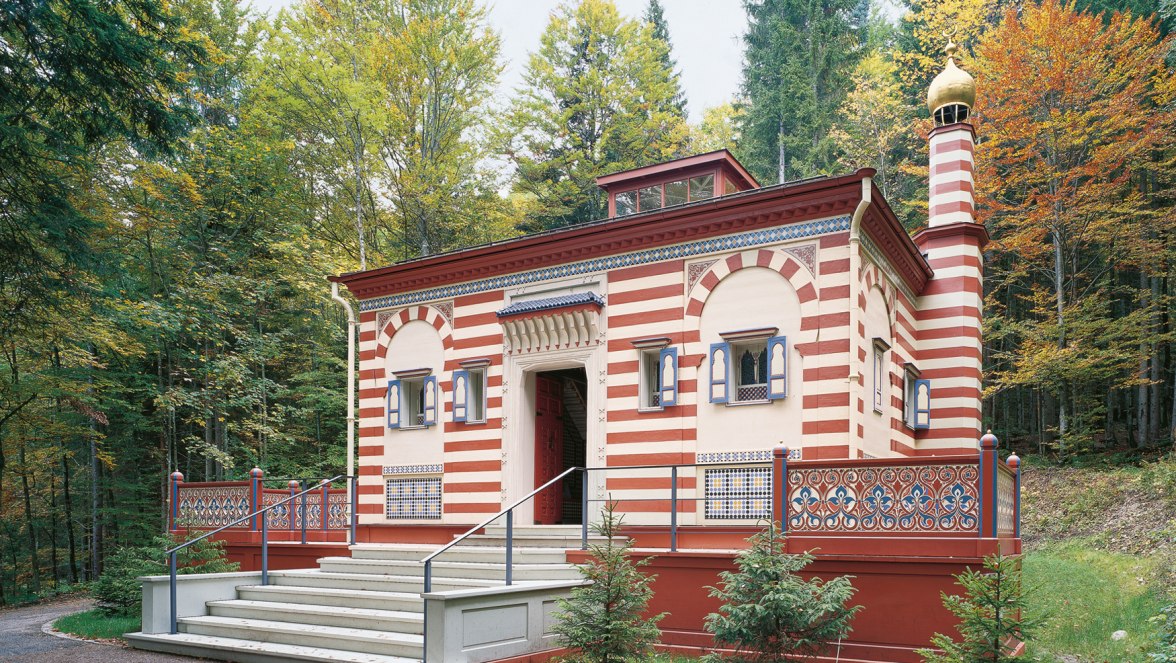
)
(69, 521)
(34, 557)
(1060, 299)
(1153, 415)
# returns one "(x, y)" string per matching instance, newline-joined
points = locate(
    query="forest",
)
(178, 177)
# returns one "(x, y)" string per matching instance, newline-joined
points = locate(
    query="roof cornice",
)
(749, 210)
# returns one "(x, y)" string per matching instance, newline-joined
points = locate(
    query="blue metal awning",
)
(549, 303)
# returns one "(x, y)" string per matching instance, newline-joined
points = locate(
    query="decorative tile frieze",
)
(413, 499)
(689, 249)
(876, 256)
(931, 498)
(720, 457)
(738, 493)
(413, 469)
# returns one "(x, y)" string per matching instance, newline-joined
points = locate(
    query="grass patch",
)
(1089, 594)
(94, 625)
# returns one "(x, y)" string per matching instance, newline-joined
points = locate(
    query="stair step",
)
(325, 596)
(553, 540)
(300, 613)
(471, 570)
(373, 581)
(248, 651)
(458, 553)
(367, 641)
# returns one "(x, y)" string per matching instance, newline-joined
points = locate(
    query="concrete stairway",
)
(362, 608)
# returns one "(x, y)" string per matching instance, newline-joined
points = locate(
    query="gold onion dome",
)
(952, 86)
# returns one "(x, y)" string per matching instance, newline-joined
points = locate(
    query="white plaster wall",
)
(750, 298)
(416, 345)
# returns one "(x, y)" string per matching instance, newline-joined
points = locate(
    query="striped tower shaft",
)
(951, 185)
(950, 308)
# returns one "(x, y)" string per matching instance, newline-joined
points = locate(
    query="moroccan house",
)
(663, 358)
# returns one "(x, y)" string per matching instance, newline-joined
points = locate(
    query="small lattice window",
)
(738, 493)
(412, 498)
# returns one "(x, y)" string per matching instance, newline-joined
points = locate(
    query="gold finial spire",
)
(952, 89)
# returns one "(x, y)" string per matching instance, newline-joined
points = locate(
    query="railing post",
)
(264, 549)
(1015, 464)
(171, 570)
(177, 478)
(509, 545)
(354, 504)
(303, 500)
(674, 509)
(780, 481)
(255, 478)
(988, 479)
(324, 514)
(292, 506)
(583, 508)
(425, 614)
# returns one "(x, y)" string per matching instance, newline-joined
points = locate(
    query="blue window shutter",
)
(777, 367)
(430, 398)
(720, 370)
(667, 376)
(922, 404)
(394, 404)
(461, 395)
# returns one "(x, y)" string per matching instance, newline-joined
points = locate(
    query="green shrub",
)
(991, 613)
(1165, 650)
(605, 622)
(117, 592)
(770, 613)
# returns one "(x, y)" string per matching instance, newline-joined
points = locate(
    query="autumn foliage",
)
(1075, 125)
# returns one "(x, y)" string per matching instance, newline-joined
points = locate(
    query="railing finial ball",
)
(1013, 461)
(177, 476)
(989, 441)
(293, 484)
(256, 473)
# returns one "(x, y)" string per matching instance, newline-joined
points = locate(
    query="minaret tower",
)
(950, 354)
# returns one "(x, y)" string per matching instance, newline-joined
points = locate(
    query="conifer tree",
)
(596, 99)
(769, 612)
(991, 612)
(605, 622)
(655, 17)
(797, 60)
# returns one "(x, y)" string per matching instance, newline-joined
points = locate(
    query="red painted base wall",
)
(898, 579)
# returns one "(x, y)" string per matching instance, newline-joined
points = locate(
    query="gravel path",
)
(21, 639)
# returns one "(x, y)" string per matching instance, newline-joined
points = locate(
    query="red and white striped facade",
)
(775, 258)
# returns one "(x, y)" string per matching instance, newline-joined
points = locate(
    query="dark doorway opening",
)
(561, 434)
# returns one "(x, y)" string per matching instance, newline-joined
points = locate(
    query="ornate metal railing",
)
(262, 516)
(213, 504)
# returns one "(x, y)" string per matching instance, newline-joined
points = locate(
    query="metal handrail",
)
(171, 553)
(496, 516)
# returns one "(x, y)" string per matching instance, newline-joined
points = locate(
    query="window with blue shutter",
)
(393, 403)
(667, 372)
(720, 370)
(777, 367)
(429, 401)
(461, 395)
(922, 418)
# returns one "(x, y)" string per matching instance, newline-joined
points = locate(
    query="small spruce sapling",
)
(605, 622)
(991, 612)
(770, 613)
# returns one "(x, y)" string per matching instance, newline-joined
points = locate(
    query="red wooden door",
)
(548, 448)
